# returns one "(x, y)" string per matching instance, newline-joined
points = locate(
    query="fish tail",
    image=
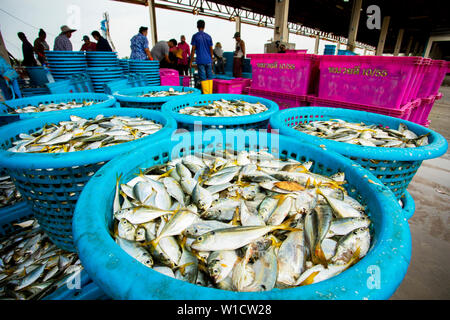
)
(310, 279)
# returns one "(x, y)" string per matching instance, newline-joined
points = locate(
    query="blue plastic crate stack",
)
(149, 68)
(124, 64)
(66, 63)
(103, 67)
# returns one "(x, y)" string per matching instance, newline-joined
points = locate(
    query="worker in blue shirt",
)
(8, 75)
(202, 45)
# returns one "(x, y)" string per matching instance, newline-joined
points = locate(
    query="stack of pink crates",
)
(402, 87)
(286, 78)
(169, 77)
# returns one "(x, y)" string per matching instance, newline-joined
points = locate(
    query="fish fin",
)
(355, 258)
(236, 217)
(287, 225)
(310, 279)
(319, 254)
(165, 174)
(183, 242)
(182, 268)
(275, 241)
(200, 258)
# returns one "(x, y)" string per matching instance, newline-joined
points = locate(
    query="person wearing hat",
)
(139, 46)
(62, 42)
(239, 55)
(88, 45)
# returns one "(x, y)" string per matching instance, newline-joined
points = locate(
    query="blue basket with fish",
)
(52, 182)
(255, 121)
(395, 167)
(100, 101)
(20, 212)
(130, 97)
(122, 277)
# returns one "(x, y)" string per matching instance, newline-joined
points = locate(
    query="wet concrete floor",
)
(428, 275)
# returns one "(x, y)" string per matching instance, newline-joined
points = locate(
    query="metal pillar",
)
(153, 31)
(281, 31)
(3, 51)
(382, 40)
(238, 25)
(365, 50)
(338, 46)
(408, 47)
(398, 44)
(316, 46)
(354, 21)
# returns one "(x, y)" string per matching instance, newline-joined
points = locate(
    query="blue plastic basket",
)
(128, 98)
(80, 82)
(102, 101)
(52, 183)
(130, 80)
(20, 212)
(395, 167)
(256, 121)
(122, 277)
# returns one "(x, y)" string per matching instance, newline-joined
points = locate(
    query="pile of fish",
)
(240, 222)
(171, 92)
(9, 195)
(85, 134)
(364, 135)
(53, 107)
(225, 108)
(31, 266)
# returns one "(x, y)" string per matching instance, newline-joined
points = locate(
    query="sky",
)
(125, 20)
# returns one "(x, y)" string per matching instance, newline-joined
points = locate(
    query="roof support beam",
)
(152, 13)
(383, 33)
(354, 22)
(434, 39)
(398, 44)
(281, 30)
(409, 45)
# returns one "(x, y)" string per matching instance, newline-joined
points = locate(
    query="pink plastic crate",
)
(284, 100)
(426, 106)
(245, 82)
(282, 72)
(170, 80)
(296, 51)
(417, 113)
(186, 81)
(227, 86)
(368, 80)
(402, 113)
(168, 72)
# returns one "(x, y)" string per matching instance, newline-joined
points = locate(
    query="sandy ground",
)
(428, 275)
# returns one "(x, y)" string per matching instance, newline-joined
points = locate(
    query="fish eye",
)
(215, 271)
(199, 238)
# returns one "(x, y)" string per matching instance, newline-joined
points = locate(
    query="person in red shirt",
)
(183, 63)
(88, 45)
